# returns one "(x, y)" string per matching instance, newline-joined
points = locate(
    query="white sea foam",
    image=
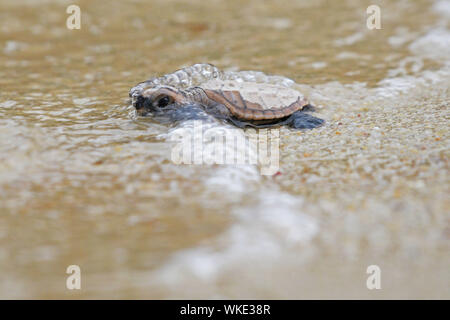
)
(264, 232)
(433, 45)
(442, 7)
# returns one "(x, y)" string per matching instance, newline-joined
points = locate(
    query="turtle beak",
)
(142, 105)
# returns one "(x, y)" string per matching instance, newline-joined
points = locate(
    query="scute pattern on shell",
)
(269, 96)
(182, 79)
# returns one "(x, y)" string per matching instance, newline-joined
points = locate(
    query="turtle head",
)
(168, 105)
(158, 100)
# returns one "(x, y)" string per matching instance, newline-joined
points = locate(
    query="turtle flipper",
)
(309, 108)
(302, 120)
(183, 113)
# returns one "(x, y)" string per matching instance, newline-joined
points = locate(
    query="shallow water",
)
(83, 182)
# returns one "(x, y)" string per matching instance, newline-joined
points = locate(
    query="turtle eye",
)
(164, 101)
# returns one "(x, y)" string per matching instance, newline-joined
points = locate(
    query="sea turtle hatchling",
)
(237, 99)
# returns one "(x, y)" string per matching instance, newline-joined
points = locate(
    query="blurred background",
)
(84, 183)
